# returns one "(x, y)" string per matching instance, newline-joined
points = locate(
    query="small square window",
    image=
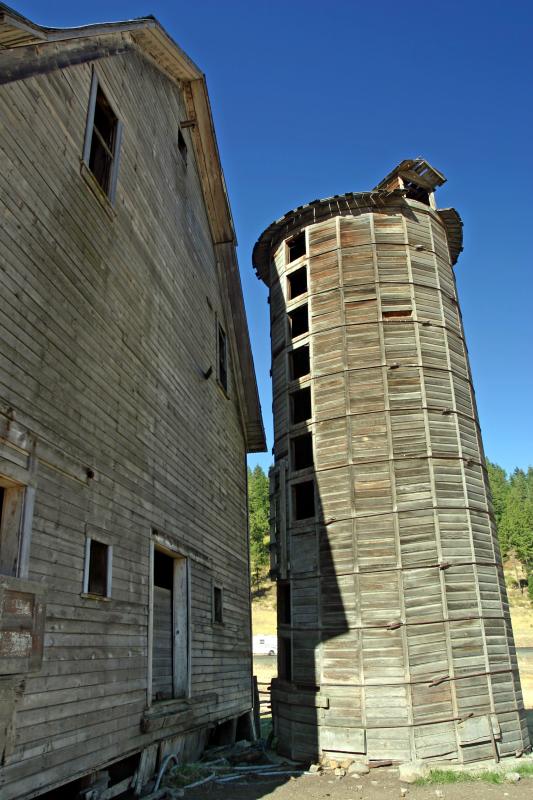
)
(222, 358)
(297, 283)
(299, 362)
(102, 140)
(299, 321)
(301, 405)
(218, 609)
(98, 566)
(302, 452)
(182, 146)
(303, 495)
(296, 246)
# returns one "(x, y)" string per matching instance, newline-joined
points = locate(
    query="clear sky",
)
(312, 99)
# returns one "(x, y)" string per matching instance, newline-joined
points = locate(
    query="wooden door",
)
(170, 628)
(163, 640)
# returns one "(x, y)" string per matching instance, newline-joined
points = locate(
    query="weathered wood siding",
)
(399, 610)
(107, 324)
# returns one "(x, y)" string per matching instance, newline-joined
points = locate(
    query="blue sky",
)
(312, 99)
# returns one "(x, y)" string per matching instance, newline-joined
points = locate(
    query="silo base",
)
(304, 733)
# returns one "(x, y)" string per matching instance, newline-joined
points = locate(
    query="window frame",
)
(22, 496)
(291, 242)
(182, 585)
(110, 191)
(109, 568)
(220, 330)
(217, 587)
(302, 521)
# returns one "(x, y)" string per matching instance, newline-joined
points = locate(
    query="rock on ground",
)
(412, 771)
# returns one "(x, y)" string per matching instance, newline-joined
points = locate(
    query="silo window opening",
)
(299, 321)
(397, 313)
(296, 247)
(297, 283)
(414, 192)
(303, 495)
(302, 451)
(299, 362)
(284, 603)
(284, 658)
(301, 405)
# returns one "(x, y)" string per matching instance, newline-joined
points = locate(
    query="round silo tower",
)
(395, 639)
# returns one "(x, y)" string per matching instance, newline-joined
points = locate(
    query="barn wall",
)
(108, 320)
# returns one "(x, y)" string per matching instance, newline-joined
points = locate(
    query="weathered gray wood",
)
(162, 653)
(108, 327)
(398, 602)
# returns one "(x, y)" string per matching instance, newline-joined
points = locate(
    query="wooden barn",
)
(128, 403)
(395, 640)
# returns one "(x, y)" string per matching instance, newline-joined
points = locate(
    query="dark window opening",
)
(302, 451)
(297, 283)
(396, 313)
(303, 500)
(300, 364)
(98, 567)
(296, 246)
(163, 570)
(284, 658)
(299, 321)
(415, 192)
(301, 405)
(284, 603)
(182, 146)
(222, 358)
(103, 141)
(217, 604)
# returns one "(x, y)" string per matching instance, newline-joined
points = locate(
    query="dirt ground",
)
(382, 784)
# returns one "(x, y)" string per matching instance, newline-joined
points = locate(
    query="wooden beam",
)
(25, 62)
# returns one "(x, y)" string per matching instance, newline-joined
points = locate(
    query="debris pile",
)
(242, 761)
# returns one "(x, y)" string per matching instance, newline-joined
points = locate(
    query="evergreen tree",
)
(516, 528)
(499, 488)
(513, 509)
(258, 519)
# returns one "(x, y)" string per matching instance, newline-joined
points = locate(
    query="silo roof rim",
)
(261, 256)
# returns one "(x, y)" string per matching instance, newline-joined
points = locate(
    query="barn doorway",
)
(170, 627)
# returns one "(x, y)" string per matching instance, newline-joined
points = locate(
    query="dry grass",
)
(264, 608)
(522, 617)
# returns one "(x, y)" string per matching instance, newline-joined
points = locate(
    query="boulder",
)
(412, 771)
(358, 768)
(512, 777)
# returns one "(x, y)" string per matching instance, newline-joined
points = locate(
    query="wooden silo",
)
(395, 639)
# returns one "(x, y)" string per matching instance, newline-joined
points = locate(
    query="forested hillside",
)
(513, 506)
